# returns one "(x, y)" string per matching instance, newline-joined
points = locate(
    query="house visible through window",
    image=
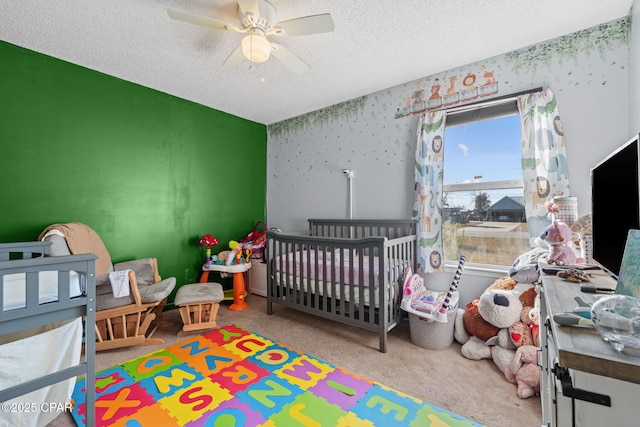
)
(483, 203)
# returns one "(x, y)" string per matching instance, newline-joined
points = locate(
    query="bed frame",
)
(324, 290)
(31, 258)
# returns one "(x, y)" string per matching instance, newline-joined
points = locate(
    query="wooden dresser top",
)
(582, 348)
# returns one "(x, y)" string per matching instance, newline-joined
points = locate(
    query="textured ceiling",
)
(375, 45)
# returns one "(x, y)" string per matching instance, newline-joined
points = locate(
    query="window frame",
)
(477, 112)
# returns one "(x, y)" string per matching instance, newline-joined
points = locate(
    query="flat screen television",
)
(615, 204)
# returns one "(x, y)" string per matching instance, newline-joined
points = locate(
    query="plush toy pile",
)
(503, 325)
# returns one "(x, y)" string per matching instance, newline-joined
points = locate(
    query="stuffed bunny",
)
(558, 235)
(524, 371)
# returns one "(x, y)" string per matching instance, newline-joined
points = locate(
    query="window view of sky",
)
(482, 152)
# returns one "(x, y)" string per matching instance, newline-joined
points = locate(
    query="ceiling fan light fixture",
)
(256, 48)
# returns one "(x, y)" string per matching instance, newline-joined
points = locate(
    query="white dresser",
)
(585, 382)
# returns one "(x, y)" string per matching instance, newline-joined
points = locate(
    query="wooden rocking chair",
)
(123, 321)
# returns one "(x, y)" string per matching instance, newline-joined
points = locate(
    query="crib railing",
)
(361, 228)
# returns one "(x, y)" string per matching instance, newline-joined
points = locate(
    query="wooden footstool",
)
(199, 304)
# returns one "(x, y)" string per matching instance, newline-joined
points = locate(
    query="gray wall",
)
(588, 72)
(305, 155)
(634, 72)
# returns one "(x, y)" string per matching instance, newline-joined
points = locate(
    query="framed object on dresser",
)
(628, 283)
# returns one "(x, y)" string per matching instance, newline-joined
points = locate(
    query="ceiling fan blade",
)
(289, 59)
(313, 24)
(202, 20)
(234, 59)
(249, 6)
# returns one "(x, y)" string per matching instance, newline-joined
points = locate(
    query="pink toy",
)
(558, 235)
(524, 371)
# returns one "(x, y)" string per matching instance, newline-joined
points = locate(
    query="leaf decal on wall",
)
(600, 39)
(320, 117)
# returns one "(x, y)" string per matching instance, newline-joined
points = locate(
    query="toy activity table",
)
(239, 287)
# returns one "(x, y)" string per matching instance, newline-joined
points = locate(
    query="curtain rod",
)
(493, 101)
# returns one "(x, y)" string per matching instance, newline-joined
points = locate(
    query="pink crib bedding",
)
(329, 264)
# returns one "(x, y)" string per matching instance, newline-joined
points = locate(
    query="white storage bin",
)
(258, 278)
(430, 334)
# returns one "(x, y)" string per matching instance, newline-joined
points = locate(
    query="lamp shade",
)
(256, 48)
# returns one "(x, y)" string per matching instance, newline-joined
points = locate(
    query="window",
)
(483, 200)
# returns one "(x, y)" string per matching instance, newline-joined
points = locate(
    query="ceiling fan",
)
(257, 21)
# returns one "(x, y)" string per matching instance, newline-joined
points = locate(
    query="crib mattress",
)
(14, 288)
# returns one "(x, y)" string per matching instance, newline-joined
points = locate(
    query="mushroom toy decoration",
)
(207, 241)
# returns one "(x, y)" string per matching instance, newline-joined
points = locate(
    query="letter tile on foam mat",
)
(308, 410)
(269, 395)
(239, 376)
(341, 388)
(304, 371)
(386, 407)
(231, 376)
(124, 401)
(149, 365)
(204, 355)
(168, 382)
(274, 357)
(191, 403)
(232, 412)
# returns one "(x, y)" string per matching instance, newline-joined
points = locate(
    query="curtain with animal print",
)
(427, 207)
(544, 159)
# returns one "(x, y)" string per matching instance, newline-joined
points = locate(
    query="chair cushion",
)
(158, 291)
(105, 298)
(58, 245)
(145, 275)
(199, 292)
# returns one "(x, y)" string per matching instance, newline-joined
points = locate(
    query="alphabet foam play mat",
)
(233, 377)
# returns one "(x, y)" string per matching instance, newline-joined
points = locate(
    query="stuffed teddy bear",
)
(558, 235)
(526, 331)
(525, 372)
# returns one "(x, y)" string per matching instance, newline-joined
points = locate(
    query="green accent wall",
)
(148, 171)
